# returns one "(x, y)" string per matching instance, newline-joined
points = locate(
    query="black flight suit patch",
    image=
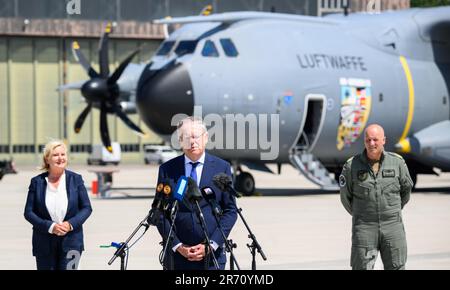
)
(362, 175)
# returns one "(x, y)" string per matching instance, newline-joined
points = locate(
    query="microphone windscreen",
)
(222, 181)
(193, 190)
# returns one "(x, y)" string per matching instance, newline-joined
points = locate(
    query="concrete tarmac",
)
(298, 225)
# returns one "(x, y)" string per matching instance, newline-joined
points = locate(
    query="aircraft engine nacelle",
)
(432, 145)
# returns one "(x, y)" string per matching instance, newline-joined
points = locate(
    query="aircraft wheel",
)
(245, 183)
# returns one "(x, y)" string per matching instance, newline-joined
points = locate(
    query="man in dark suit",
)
(188, 249)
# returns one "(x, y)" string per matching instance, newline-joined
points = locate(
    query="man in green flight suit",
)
(375, 186)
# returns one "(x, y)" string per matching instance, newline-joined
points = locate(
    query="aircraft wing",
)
(232, 17)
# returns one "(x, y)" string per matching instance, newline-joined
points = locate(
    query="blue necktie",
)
(193, 174)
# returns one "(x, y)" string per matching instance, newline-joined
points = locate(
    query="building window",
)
(24, 148)
(129, 147)
(4, 148)
(81, 148)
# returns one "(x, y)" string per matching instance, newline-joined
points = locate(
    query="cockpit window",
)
(165, 48)
(210, 49)
(228, 47)
(186, 46)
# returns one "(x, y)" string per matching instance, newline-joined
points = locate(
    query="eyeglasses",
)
(191, 137)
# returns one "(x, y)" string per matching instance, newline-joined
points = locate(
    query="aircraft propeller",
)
(102, 90)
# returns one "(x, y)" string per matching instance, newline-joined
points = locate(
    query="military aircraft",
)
(325, 78)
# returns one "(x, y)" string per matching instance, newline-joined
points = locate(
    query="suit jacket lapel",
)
(208, 168)
(42, 193)
(68, 190)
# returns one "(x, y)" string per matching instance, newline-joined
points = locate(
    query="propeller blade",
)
(79, 56)
(103, 52)
(127, 121)
(72, 86)
(118, 72)
(80, 120)
(104, 133)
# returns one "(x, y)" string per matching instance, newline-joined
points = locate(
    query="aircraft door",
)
(312, 122)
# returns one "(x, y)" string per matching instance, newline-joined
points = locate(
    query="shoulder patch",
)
(342, 181)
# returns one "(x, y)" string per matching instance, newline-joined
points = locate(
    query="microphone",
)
(224, 183)
(180, 190)
(193, 192)
(178, 193)
(153, 215)
(168, 189)
(158, 195)
(210, 196)
(161, 202)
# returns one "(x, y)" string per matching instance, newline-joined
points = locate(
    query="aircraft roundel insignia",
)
(342, 181)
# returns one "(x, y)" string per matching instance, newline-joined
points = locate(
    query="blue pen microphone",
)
(178, 193)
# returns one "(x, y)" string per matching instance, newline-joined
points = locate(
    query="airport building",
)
(35, 58)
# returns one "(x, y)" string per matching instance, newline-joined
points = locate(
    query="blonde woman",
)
(57, 206)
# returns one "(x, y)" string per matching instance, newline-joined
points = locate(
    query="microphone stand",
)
(232, 257)
(122, 250)
(228, 243)
(254, 245)
(169, 239)
(205, 232)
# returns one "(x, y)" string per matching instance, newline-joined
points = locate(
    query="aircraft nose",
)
(163, 93)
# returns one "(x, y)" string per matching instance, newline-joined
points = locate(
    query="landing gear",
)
(245, 183)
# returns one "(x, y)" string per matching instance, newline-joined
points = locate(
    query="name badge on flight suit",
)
(388, 173)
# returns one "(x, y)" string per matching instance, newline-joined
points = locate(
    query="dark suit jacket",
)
(79, 209)
(188, 227)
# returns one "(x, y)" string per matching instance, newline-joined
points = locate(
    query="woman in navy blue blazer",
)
(57, 206)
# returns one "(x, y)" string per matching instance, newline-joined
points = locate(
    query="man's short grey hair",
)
(192, 119)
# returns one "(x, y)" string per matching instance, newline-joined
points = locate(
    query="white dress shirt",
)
(187, 172)
(56, 201)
